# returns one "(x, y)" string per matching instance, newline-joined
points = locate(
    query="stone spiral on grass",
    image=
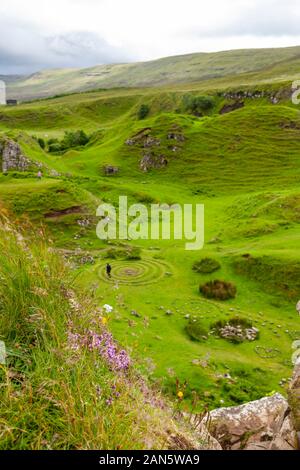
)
(136, 273)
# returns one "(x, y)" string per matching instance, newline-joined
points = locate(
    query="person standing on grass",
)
(39, 175)
(108, 270)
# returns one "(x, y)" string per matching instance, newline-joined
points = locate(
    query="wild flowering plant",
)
(102, 342)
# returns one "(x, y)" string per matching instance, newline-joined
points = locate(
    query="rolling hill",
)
(246, 66)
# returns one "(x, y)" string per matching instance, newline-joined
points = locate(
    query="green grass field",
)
(244, 167)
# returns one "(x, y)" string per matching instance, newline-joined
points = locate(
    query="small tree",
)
(143, 111)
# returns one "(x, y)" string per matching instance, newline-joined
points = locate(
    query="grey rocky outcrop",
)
(151, 161)
(294, 400)
(13, 158)
(264, 424)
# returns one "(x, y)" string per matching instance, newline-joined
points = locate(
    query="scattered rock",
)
(84, 223)
(150, 141)
(176, 136)
(135, 314)
(86, 260)
(55, 174)
(110, 170)
(152, 161)
(290, 125)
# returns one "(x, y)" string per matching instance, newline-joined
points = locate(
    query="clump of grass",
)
(206, 266)
(219, 290)
(124, 253)
(196, 330)
(143, 111)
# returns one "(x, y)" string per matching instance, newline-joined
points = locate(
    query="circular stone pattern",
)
(136, 273)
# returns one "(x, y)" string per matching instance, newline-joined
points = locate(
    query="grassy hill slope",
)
(271, 64)
(62, 387)
(243, 165)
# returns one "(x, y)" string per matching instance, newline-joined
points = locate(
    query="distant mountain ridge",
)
(275, 64)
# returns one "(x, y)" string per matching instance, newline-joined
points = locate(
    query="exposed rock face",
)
(282, 94)
(176, 136)
(264, 424)
(12, 157)
(110, 170)
(237, 95)
(155, 151)
(150, 161)
(294, 399)
(228, 108)
(140, 137)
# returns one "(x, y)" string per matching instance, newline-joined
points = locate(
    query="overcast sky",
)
(38, 34)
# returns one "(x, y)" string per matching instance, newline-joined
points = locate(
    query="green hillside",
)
(254, 65)
(243, 165)
(58, 390)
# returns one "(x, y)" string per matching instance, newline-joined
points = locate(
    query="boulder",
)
(264, 424)
(110, 170)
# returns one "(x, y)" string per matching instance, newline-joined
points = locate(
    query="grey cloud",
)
(261, 19)
(24, 49)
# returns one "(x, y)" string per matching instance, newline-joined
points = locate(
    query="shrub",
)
(220, 290)
(53, 148)
(143, 111)
(196, 330)
(71, 139)
(41, 143)
(197, 104)
(206, 265)
(74, 139)
(133, 253)
(52, 141)
(126, 253)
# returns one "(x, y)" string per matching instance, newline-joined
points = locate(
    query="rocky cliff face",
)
(294, 400)
(13, 158)
(271, 423)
